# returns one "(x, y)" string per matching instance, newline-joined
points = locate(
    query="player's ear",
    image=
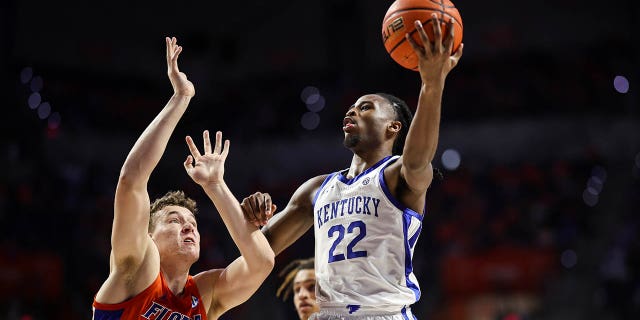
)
(395, 126)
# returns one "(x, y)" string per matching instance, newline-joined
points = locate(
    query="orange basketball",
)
(400, 19)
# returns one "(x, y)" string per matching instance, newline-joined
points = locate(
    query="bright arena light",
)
(25, 75)
(621, 84)
(589, 197)
(44, 110)
(569, 259)
(34, 100)
(307, 94)
(451, 159)
(36, 84)
(595, 184)
(310, 120)
(317, 105)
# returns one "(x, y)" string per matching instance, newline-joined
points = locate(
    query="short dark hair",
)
(404, 115)
(171, 198)
(289, 273)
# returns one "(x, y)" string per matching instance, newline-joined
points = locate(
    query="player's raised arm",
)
(238, 281)
(129, 237)
(435, 63)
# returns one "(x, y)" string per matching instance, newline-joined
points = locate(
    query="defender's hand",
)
(258, 208)
(181, 85)
(209, 167)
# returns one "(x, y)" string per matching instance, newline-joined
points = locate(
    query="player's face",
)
(304, 293)
(366, 121)
(176, 233)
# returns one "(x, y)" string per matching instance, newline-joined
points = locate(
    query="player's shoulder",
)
(316, 181)
(205, 282)
(307, 190)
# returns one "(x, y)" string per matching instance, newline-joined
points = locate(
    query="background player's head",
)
(377, 119)
(300, 278)
(173, 226)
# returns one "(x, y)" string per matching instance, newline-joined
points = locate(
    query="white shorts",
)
(326, 315)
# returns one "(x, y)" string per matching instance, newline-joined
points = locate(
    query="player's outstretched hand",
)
(181, 85)
(434, 57)
(258, 208)
(207, 168)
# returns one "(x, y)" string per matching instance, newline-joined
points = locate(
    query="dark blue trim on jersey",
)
(396, 203)
(344, 179)
(107, 314)
(404, 313)
(408, 265)
(322, 186)
(414, 238)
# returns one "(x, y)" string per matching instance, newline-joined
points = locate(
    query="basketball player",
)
(367, 218)
(154, 246)
(300, 278)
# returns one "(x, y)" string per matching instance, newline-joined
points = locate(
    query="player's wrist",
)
(431, 84)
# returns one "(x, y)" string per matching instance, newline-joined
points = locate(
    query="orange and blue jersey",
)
(156, 302)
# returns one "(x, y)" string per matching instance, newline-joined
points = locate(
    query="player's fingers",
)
(174, 59)
(248, 212)
(267, 205)
(218, 146)
(254, 202)
(448, 40)
(192, 147)
(207, 142)
(168, 47)
(427, 45)
(457, 55)
(225, 149)
(416, 48)
(437, 33)
(188, 164)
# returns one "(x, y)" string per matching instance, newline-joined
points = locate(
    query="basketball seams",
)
(442, 12)
(423, 22)
(442, 4)
(405, 39)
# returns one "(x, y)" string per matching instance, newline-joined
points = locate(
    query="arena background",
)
(537, 216)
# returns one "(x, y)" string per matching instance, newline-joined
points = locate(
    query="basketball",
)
(399, 20)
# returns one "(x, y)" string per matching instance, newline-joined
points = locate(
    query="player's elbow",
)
(415, 167)
(264, 262)
(129, 177)
(269, 260)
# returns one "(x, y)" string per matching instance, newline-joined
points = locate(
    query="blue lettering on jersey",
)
(154, 309)
(158, 311)
(353, 205)
(353, 308)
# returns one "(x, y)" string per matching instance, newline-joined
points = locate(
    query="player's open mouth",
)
(189, 240)
(348, 123)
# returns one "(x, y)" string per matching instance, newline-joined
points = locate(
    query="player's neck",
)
(175, 275)
(363, 161)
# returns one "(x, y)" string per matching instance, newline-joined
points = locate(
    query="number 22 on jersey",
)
(358, 228)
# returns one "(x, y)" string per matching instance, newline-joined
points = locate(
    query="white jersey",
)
(364, 241)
